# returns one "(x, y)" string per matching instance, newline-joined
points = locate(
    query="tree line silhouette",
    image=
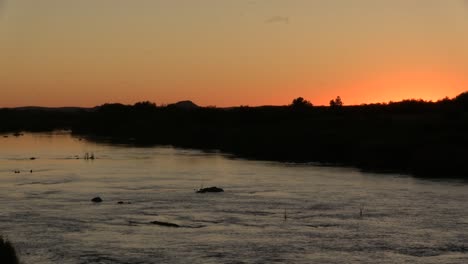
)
(427, 139)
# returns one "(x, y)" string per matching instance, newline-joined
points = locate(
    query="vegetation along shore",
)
(425, 139)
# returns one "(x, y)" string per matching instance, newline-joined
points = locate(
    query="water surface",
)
(269, 212)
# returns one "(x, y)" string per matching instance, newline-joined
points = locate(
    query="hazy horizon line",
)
(233, 106)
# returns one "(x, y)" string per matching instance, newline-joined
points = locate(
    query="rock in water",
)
(210, 189)
(96, 199)
(165, 224)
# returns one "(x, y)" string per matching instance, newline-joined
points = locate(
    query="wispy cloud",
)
(279, 19)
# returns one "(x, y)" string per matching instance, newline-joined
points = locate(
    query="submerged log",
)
(164, 224)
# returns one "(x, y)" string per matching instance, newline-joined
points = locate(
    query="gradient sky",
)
(230, 52)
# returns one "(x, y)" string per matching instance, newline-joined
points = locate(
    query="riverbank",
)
(424, 139)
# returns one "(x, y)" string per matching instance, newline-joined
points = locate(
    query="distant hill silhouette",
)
(426, 139)
(187, 105)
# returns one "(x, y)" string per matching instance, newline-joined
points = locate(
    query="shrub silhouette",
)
(336, 103)
(301, 103)
(7, 252)
(144, 106)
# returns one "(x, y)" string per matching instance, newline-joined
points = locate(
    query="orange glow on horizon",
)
(428, 85)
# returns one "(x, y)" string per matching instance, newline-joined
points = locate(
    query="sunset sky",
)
(230, 52)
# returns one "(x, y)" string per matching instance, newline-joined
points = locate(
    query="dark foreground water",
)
(49, 216)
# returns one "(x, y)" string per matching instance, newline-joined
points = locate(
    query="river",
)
(269, 213)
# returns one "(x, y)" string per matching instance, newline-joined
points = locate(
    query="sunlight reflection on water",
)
(49, 215)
